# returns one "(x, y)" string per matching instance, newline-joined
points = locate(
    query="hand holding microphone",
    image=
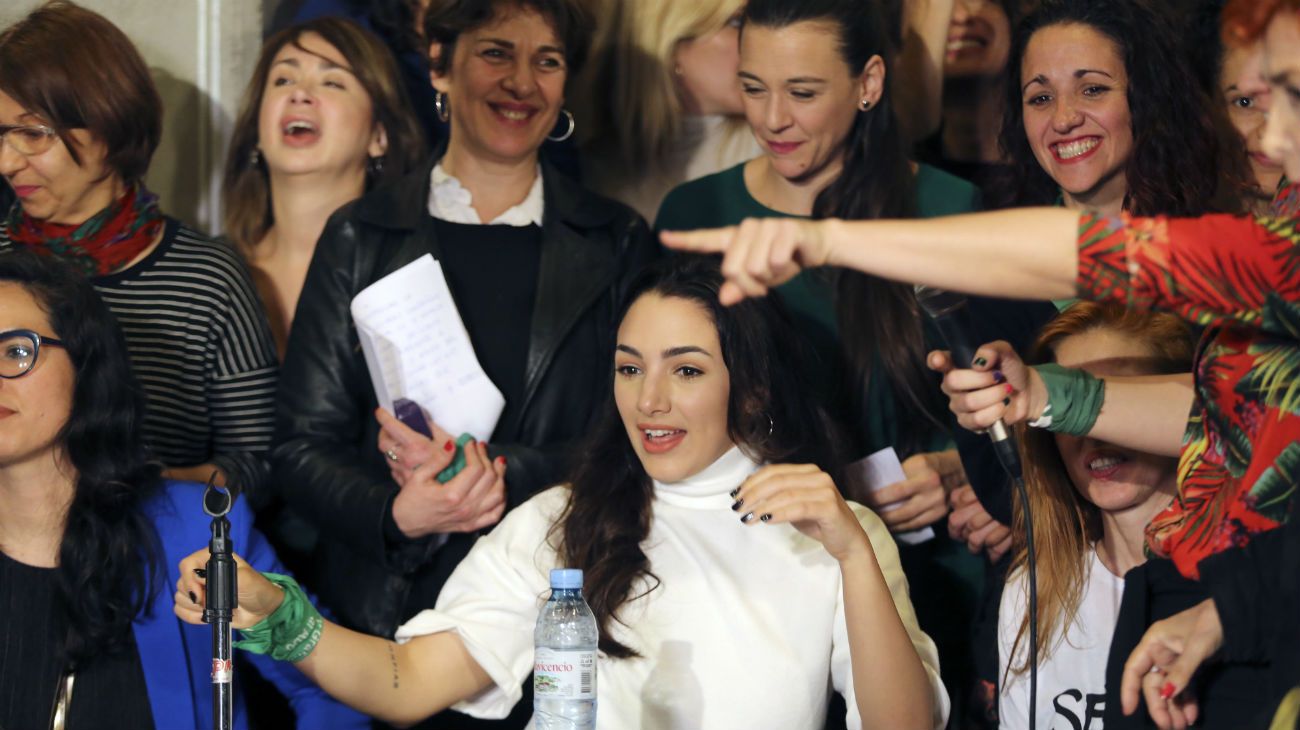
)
(997, 385)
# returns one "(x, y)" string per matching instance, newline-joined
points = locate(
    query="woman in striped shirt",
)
(80, 119)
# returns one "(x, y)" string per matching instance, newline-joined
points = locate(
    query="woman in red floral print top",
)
(1236, 429)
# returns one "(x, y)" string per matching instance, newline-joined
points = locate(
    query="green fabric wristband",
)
(291, 632)
(458, 463)
(1074, 399)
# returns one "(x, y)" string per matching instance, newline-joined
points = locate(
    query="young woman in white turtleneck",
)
(762, 588)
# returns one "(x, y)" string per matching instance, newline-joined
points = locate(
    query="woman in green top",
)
(813, 81)
(812, 76)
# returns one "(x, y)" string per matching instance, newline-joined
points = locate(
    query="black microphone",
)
(949, 313)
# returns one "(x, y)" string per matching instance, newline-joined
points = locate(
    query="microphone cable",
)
(948, 312)
(1010, 460)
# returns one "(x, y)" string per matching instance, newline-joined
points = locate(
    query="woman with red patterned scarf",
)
(1240, 447)
(80, 119)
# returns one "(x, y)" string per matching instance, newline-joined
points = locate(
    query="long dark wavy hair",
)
(879, 322)
(110, 550)
(1174, 133)
(769, 415)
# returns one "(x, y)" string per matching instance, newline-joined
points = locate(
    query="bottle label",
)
(564, 675)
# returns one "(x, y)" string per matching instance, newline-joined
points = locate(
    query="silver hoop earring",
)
(568, 132)
(440, 106)
(771, 425)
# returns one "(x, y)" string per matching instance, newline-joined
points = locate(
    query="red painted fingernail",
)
(449, 446)
(501, 459)
(1167, 691)
(1010, 389)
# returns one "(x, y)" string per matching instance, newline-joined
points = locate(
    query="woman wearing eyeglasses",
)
(89, 530)
(79, 120)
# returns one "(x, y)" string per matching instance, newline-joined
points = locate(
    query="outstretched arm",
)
(398, 683)
(1030, 253)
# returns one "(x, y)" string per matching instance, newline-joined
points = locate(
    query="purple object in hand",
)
(410, 413)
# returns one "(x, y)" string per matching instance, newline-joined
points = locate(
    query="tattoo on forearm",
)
(393, 658)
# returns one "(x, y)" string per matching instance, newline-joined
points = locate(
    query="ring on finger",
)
(392, 455)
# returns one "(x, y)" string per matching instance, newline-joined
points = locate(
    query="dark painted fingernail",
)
(1006, 401)
(766, 516)
(734, 492)
(736, 507)
(1167, 691)
(201, 572)
(998, 377)
(193, 597)
(747, 517)
(980, 362)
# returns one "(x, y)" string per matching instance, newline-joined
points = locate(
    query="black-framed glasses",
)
(19, 350)
(28, 139)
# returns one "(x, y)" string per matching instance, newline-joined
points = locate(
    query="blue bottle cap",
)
(566, 579)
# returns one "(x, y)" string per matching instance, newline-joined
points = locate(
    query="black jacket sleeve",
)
(324, 406)
(1250, 586)
(531, 469)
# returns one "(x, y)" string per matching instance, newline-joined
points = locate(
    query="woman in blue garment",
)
(88, 528)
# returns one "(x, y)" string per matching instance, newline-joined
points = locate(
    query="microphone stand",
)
(221, 602)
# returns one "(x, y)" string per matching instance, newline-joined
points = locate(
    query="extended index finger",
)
(703, 240)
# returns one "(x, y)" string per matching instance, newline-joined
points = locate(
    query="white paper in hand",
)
(877, 471)
(416, 347)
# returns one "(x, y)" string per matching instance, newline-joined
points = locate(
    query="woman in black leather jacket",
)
(536, 290)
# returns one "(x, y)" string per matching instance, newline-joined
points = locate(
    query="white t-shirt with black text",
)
(1072, 681)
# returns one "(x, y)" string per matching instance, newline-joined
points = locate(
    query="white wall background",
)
(201, 53)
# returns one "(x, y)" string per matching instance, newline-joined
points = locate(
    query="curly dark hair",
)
(110, 551)
(1174, 133)
(446, 20)
(769, 415)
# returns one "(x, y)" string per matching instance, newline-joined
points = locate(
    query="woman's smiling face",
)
(1074, 88)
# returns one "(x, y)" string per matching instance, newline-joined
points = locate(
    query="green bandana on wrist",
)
(1074, 399)
(291, 632)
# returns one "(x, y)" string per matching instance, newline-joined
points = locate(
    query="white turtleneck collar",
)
(710, 488)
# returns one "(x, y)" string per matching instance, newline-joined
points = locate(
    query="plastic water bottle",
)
(564, 666)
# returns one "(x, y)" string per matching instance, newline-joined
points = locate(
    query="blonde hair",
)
(1065, 524)
(628, 100)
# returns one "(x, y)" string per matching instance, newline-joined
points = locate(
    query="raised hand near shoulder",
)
(806, 497)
